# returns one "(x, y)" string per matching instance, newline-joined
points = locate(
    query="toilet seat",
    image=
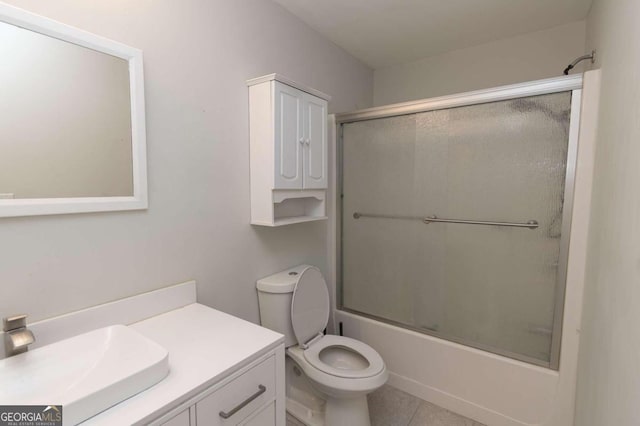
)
(351, 347)
(309, 306)
(343, 357)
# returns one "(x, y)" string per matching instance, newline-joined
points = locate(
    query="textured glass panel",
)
(378, 177)
(490, 287)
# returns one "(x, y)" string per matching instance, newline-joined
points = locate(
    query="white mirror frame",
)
(139, 200)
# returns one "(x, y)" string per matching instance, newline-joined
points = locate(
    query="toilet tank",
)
(275, 293)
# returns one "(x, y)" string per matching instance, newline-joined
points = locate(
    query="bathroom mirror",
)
(72, 122)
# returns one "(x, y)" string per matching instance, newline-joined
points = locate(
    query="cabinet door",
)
(316, 152)
(289, 137)
(265, 417)
(181, 419)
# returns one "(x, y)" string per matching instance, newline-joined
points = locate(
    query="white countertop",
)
(204, 346)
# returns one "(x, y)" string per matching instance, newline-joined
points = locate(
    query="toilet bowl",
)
(344, 371)
(337, 371)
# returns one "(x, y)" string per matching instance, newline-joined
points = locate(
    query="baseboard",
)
(452, 402)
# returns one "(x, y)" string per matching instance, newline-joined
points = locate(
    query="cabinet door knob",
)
(307, 141)
(302, 141)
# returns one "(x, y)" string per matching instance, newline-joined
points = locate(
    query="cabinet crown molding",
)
(288, 82)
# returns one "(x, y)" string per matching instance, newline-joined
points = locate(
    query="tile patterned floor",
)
(389, 406)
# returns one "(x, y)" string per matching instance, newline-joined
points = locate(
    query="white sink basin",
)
(86, 374)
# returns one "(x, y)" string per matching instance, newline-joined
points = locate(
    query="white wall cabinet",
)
(315, 164)
(300, 130)
(288, 151)
(289, 136)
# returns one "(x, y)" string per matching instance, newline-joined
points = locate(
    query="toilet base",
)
(347, 411)
(305, 415)
(314, 408)
(352, 412)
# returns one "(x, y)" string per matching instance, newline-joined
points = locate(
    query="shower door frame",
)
(571, 84)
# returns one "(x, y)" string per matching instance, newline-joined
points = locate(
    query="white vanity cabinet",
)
(181, 419)
(237, 401)
(288, 151)
(247, 397)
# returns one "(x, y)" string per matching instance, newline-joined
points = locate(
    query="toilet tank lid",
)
(281, 282)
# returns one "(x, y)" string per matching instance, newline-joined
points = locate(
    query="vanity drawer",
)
(235, 401)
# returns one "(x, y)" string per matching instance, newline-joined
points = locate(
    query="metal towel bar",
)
(532, 224)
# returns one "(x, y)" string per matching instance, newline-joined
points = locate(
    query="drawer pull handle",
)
(261, 389)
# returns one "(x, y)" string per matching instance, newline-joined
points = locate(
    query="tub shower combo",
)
(454, 221)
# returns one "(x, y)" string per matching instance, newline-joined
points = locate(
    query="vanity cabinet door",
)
(264, 417)
(236, 401)
(181, 419)
(315, 153)
(289, 137)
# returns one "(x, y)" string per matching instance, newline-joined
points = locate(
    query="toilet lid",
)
(310, 305)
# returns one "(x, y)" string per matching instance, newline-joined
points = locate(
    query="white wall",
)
(527, 57)
(609, 373)
(198, 54)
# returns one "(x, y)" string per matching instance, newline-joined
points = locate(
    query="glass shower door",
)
(487, 286)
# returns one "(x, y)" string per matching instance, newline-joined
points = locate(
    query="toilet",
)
(327, 377)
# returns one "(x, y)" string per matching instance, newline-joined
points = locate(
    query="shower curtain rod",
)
(532, 224)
